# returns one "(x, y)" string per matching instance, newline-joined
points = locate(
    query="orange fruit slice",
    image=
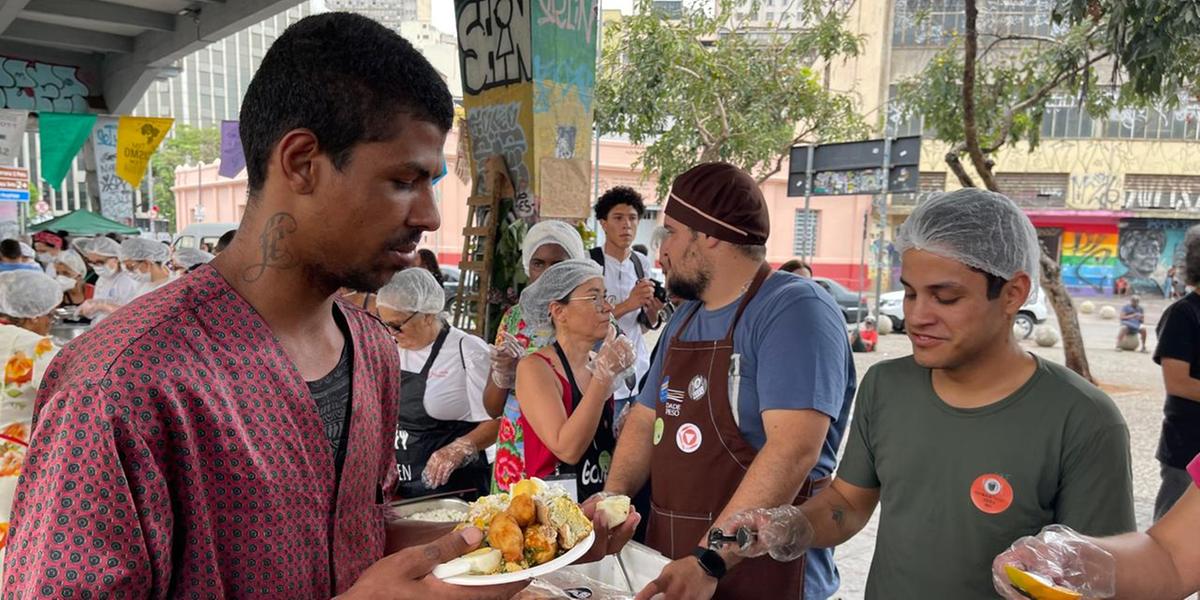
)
(1038, 587)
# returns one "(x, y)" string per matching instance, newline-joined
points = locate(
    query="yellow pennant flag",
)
(137, 139)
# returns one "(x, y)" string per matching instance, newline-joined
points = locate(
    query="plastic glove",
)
(1062, 556)
(505, 354)
(615, 357)
(444, 461)
(91, 308)
(783, 532)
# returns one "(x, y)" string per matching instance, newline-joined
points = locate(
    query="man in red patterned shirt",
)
(230, 435)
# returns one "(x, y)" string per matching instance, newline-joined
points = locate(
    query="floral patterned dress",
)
(26, 356)
(510, 443)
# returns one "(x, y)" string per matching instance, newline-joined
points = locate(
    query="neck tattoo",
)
(273, 250)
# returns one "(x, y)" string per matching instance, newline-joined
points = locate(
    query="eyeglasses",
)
(596, 299)
(398, 328)
(439, 176)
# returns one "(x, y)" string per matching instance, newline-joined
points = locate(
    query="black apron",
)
(590, 473)
(419, 435)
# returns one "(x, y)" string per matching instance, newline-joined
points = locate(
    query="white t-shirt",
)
(454, 390)
(619, 279)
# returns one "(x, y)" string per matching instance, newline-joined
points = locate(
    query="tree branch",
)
(957, 168)
(1000, 39)
(970, 128)
(784, 153)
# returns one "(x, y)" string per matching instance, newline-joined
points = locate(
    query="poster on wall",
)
(116, 196)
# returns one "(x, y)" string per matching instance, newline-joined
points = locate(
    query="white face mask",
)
(103, 271)
(64, 282)
(140, 277)
(45, 257)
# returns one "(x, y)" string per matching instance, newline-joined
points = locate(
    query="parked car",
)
(196, 234)
(853, 305)
(1032, 314)
(450, 277)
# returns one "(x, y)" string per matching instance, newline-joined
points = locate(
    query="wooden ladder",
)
(479, 249)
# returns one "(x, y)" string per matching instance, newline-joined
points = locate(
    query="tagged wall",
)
(528, 69)
(1147, 249)
(38, 86)
(1089, 260)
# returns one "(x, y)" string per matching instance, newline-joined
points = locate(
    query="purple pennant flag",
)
(233, 160)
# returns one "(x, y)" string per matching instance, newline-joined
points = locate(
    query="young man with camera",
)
(639, 298)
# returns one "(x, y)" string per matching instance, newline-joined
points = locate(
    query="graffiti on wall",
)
(496, 129)
(1095, 190)
(1089, 261)
(37, 86)
(1181, 194)
(493, 43)
(1148, 248)
(116, 197)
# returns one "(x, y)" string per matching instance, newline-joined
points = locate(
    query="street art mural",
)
(1147, 250)
(528, 69)
(1089, 261)
(38, 86)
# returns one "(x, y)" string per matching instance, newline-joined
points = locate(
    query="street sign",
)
(14, 184)
(852, 168)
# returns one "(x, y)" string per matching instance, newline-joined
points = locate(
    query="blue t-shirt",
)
(19, 267)
(794, 354)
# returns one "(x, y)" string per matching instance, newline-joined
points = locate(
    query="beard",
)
(688, 288)
(370, 277)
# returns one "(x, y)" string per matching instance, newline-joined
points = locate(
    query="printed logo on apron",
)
(992, 493)
(688, 438)
(698, 387)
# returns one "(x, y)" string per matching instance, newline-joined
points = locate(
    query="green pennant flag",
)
(62, 135)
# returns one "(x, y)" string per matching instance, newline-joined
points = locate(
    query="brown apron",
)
(700, 457)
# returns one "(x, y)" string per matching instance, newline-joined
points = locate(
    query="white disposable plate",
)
(571, 556)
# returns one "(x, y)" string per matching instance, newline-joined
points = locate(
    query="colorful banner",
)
(116, 197)
(62, 135)
(233, 160)
(137, 139)
(12, 131)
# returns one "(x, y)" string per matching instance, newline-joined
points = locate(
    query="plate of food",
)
(535, 529)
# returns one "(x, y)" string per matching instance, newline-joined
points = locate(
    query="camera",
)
(660, 294)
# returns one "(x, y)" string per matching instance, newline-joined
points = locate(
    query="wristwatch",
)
(711, 562)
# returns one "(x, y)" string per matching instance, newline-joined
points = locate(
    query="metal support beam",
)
(105, 12)
(59, 36)
(9, 9)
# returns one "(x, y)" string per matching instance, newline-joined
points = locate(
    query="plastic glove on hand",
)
(1056, 564)
(783, 532)
(615, 357)
(444, 461)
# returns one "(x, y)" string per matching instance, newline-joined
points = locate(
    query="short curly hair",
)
(617, 196)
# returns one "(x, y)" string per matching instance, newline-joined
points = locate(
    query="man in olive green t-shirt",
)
(971, 442)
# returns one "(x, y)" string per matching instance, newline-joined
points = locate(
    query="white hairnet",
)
(136, 248)
(100, 246)
(555, 284)
(413, 290)
(28, 294)
(978, 228)
(551, 232)
(73, 261)
(27, 251)
(190, 257)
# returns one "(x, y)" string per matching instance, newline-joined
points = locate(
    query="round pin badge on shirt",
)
(992, 493)
(688, 438)
(698, 387)
(659, 425)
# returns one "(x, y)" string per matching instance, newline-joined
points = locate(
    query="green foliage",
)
(708, 87)
(1156, 42)
(187, 144)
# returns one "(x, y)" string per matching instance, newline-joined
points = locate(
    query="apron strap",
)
(763, 271)
(576, 394)
(437, 347)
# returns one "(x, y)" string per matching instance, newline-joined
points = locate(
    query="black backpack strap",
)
(461, 358)
(597, 255)
(638, 269)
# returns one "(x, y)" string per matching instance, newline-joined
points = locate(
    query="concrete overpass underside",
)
(102, 55)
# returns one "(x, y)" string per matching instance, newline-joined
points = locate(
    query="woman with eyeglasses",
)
(443, 427)
(565, 394)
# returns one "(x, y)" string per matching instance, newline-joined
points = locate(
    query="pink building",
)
(203, 196)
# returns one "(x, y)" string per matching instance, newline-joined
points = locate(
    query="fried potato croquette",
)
(522, 510)
(505, 535)
(541, 544)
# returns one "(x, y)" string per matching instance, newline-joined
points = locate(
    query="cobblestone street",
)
(1132, 380)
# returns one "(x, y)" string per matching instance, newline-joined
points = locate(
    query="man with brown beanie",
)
(745, 403)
